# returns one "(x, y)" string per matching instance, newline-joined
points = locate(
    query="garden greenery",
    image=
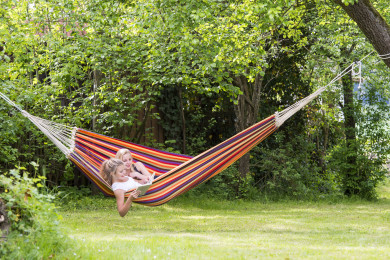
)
(205, 70)
(35, 231)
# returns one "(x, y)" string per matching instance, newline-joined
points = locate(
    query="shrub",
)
(229, 185)
(288, 171)
(362, 177)
(35, 232)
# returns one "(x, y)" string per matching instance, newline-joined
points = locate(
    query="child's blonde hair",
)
(108, 168)
(121, 152)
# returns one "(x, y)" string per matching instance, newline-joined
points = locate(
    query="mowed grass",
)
(211, 229)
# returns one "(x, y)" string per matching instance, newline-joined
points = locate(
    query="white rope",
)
(358, 73)
(9, 101)
(61, 135)
(281, 117)
(384, 56)
(366, 56)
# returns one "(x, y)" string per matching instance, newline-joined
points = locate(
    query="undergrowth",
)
(35, 231)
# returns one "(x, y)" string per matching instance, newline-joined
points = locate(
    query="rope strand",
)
(61, 135)
(384, 56)
(282, 116)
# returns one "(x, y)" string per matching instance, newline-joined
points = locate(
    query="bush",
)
(229, 185)
(35, 232)
(288, 171)
(361, 177)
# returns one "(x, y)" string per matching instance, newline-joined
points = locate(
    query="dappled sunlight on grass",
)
(229, 229)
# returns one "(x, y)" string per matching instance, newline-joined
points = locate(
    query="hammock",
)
(175, 173)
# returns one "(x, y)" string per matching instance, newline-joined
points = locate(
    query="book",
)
(143, 188)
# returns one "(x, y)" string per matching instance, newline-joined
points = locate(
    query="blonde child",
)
(113, 171)
(136, 170)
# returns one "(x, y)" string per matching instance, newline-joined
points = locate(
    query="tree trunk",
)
(350, 187)
(371, 23)
(183, 121)
(97, 76)
(246, 111)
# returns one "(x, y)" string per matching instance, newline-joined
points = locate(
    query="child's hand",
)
(150, 178)
(144, 180)
(135, 194)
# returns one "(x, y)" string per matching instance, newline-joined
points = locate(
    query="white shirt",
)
(127, 185)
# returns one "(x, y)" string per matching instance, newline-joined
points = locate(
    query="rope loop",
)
(357, 74)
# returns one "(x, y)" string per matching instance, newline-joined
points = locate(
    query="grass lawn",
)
(211, 229)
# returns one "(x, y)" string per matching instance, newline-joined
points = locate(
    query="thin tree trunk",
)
(140, 130)
(350, 187)
(183, 122)
(246, 111)
(97, 75)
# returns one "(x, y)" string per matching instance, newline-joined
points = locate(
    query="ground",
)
(212, 229)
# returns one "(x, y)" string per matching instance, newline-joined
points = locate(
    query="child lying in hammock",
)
(113, 171)
(136, 170)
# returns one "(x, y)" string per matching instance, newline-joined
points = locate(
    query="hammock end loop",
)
(278, 123)
(72, 141)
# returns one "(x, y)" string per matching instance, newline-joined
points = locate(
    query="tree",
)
(71, 62)
(340, 41)
(217, 47)
(371, 23)
(95, 64)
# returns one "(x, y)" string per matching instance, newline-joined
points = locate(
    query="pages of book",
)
(145, 187)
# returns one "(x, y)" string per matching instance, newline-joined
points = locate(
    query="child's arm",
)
(122, 206)
(141, 167)
(137, 175)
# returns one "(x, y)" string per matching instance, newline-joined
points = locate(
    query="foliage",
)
(228, 185)
(109, 66)
(370, 171)
(35, 224)
(62, 61)
(203, 45)
(290, 171)
(207, 119)
(372, 106)
(340, 41)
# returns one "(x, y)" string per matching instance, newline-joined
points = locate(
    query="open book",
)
(143, 188)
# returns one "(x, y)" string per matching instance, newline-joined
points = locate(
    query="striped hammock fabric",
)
(175, 173)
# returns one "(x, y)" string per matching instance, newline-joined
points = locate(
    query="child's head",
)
(110, 169)
(125, 156)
